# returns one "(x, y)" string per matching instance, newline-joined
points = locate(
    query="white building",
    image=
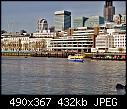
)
(15, 43)
(104, 42)
(80, 40)
(25, 43)
(119, 39)
(111, 42)
(39, 44)
(44, 34)
(111, 31)
(42, 25)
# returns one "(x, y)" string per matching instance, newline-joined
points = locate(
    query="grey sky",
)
(17, 15)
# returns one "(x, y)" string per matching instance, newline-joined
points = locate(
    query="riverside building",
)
(104, 42)
(111, 40)
(81, 39)
(25, 43)
(15, 43)
(119, 42)
(119, 39)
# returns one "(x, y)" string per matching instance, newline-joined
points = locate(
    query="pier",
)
(62, 54)
(15, 53)
(39, 54)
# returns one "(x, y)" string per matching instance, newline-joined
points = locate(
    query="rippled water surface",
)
(40, 75)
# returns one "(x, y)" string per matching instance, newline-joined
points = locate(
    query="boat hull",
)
(117, 57)
(76, 60)
(108, 59)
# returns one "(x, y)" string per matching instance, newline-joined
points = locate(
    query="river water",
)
(57, 76)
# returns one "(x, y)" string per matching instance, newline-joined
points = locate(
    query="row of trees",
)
(120, 50)
(3, 31)
(21, 31)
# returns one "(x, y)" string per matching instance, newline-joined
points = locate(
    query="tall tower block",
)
(109, 11)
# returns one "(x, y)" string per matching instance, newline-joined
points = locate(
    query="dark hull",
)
(108, 59)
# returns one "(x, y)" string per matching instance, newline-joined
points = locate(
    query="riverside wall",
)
(39, 54)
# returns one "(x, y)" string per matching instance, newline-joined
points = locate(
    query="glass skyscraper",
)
(62, 20)
(79, 22)
(94, 21)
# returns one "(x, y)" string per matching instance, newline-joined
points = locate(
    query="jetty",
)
(63, 54)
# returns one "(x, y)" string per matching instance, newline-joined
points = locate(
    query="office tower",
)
(109, 11)
(94, 21)
(79, 22)
(62, 20)
(42, 25)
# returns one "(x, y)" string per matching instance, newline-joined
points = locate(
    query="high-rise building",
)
(109, 11)
(79, 22)
(62, 20)
(42, 25)
(94, 21)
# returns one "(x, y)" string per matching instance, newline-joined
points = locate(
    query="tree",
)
(43, 43)
(120, 50)
(3, 31)
(22, 31)
(32, 45)
(2, 45)
(26, 46)
(19, 44)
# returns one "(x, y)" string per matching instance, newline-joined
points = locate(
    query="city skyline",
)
(18, 15)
